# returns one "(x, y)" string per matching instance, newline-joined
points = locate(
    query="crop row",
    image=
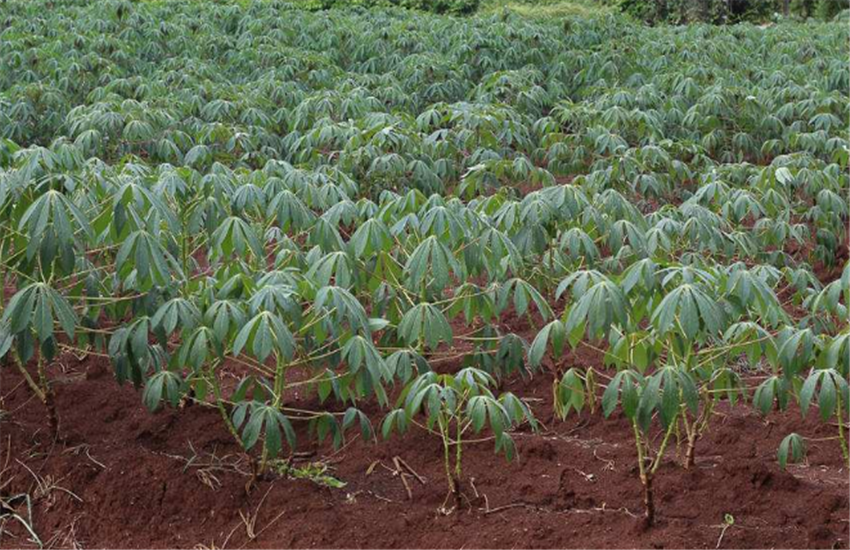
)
(353, 195)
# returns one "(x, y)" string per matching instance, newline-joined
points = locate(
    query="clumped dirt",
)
(122, 477)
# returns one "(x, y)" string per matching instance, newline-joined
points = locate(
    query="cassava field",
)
(387, 278)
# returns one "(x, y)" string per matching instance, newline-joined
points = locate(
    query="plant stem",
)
(645, 479)
(552, 261)
(184, 253)
(30, 382)
(2, 285)
(706, 414)
(840, 414)
(678, 440)
(219, 403)
(458, 444)
(446, 456)
(279, 380)
(691, 434)
(47, 392)
(663, 447)
(264, 460)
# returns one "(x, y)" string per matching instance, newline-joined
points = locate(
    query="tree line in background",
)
(675, 12)
(728, 11)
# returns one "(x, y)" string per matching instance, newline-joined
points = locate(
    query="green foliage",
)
(254, 418)
(35, 308)
(455, 7)
(425, 324)
(706, 11)
(792, 449)
(455, 404)
(363, 194)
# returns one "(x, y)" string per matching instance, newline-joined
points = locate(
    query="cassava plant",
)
(662, 396)
(833, 401)
(28, 325)
(454, 408)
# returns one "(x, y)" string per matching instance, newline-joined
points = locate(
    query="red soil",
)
(168, 480)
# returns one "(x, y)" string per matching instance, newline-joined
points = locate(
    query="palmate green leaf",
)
(406, 363)
(326, 424)
(53, 215)
(676, 387)
(795, 349)
(383, 272)
(751, 292)
(198, 156)
(524, 294)
(426, 324)
(687, 307)
(428, 395)
(774, 389)
(343, 308)
(130, 351)
(554, 332)
(830, 298)
(431, 394)
(499, 253)
(474, 301)
(625, 388)
(370, 238)
(793, 447)
(195, 350)
(225, 316)
(480, 408)
(517, 410)
(263, 419)
(649, 399)
(472, 381)
(431, 261)
(395, 420)
(164, 385)
(729, 383)
(640, 276)
(278, 298)
(263, 334)
(510, 355)
(290, 211)
(599, 309)
(353, 415)
(579, 246)
(442, 223)
(133, 198)
(832, 387)
(636, 349)
(176, 310)
(336, 267)
(325, 235)
(35, 307)
(505, 445)
(569, 394)
(359, 353)
(235, 235)
(143, 260)
(837, 354)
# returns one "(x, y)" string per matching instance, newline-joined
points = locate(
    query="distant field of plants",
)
(335, 201)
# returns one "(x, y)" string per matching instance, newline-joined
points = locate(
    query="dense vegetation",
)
(456, 7)
(350, 193)
(729, 11)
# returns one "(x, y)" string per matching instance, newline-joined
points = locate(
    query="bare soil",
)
(123, 477)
